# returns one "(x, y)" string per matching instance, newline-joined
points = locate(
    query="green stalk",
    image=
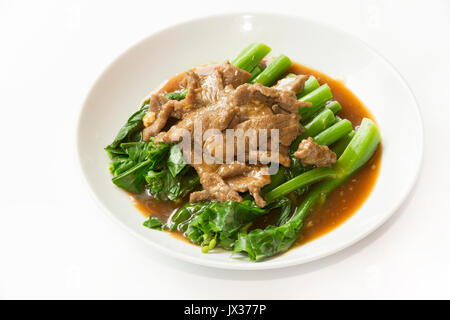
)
(333, 106)
(249, 58)
(360, 148)
(244, 51)
(317, 98)
(255, 72)
(341, 144)
(273, 71)
(356, 154)
(310, 85)
(299, 181)
(334, 133)
(320, 122)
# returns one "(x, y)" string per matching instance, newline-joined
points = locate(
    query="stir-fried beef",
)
(204, 89)
(213, 184)
(233, 76)
(312, 153)
(230, 75)
(216, 116)
(287, 124)
(232, 169)
(248, 147)
(211, 88)
(285, 99)
(158, 113)
(214, 80)
(259, 106)
(282, 156)
(252, 180)
(251, 110)
(161, 109)
(294, 83)
(198, 196)
(219, 98)
(224, 183)
(218, 188)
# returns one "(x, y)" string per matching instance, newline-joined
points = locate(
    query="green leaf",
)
(137, 151)
(164, 186)
(180, 220)
(130, 131)
(155, 181)
(177, 95)
(189, 180)
(133, 179)
(121, 164)
(285, 209)
(175, 162)
(260, 244)
(153, 223)
(142, 157)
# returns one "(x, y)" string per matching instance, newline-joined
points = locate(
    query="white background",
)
(55, 242)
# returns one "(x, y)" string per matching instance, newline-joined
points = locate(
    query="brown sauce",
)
(150, 207)
(341, 204)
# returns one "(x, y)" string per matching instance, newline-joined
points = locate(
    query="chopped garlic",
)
(149, 118)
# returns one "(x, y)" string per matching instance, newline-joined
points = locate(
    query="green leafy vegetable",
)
(260, 244)
(153, 223)
(161, 166)
(164, 186)
(139, 151)
(285, 209)
(180, 220)
(177, 95)
(176, 162)
(133, 179)
(142, 156)
(218, 223)
(121, 164)
(205, 221)
(130, 131)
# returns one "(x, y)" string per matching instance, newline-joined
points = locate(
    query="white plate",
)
(119, 90)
